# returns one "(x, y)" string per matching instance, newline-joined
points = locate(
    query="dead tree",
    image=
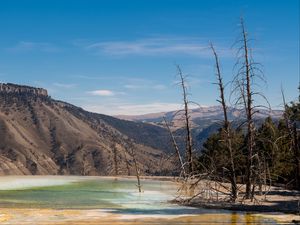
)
(176, 148)
(132, 153)
(137, 171)
(226, 126)
(244, 82)
(249, 112)
(189, 145)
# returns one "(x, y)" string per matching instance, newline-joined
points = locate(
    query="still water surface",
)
(71, 200)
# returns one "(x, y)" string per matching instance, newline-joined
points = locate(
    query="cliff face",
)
(22, 89)
(39, 135)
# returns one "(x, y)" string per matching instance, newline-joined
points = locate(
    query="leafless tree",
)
(176, 148)
(137, 171)
(226, 126)
(244, 81)
(132, 153)
(189, 145)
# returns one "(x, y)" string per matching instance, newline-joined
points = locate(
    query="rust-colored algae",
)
(95, 217)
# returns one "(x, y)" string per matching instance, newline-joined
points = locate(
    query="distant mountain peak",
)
(212, 113)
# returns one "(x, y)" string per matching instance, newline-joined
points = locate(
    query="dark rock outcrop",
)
(22, 89)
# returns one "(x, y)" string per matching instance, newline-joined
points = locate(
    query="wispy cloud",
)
(153, 46)
(102, 93)
(145, 86)
(27, 46)
(63, 85)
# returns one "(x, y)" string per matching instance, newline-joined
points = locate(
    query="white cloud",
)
(26, 46)
(102, 93)
(146, 47)
(154, 46)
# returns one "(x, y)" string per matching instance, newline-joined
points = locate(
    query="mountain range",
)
(43, 136)
(204, 120)
(40, 135)
(201, 116)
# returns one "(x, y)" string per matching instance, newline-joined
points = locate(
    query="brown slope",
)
(39, 135)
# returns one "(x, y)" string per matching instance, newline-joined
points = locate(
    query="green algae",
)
(120, 198)
(83, 194)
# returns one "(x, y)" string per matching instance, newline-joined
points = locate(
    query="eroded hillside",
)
(39, 135)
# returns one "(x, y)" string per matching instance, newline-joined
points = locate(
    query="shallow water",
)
(102, 200)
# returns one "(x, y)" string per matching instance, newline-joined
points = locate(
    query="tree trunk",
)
(227, 129)
(249, 112)
(187, 123)
(137, 171)
(136, 167)
(176, 148)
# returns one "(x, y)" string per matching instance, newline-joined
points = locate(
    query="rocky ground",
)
(285, 204)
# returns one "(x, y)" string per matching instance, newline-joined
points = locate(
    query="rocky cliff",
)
(22, 89)
(39, 135)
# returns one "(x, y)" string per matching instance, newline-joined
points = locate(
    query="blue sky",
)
(118, 57)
